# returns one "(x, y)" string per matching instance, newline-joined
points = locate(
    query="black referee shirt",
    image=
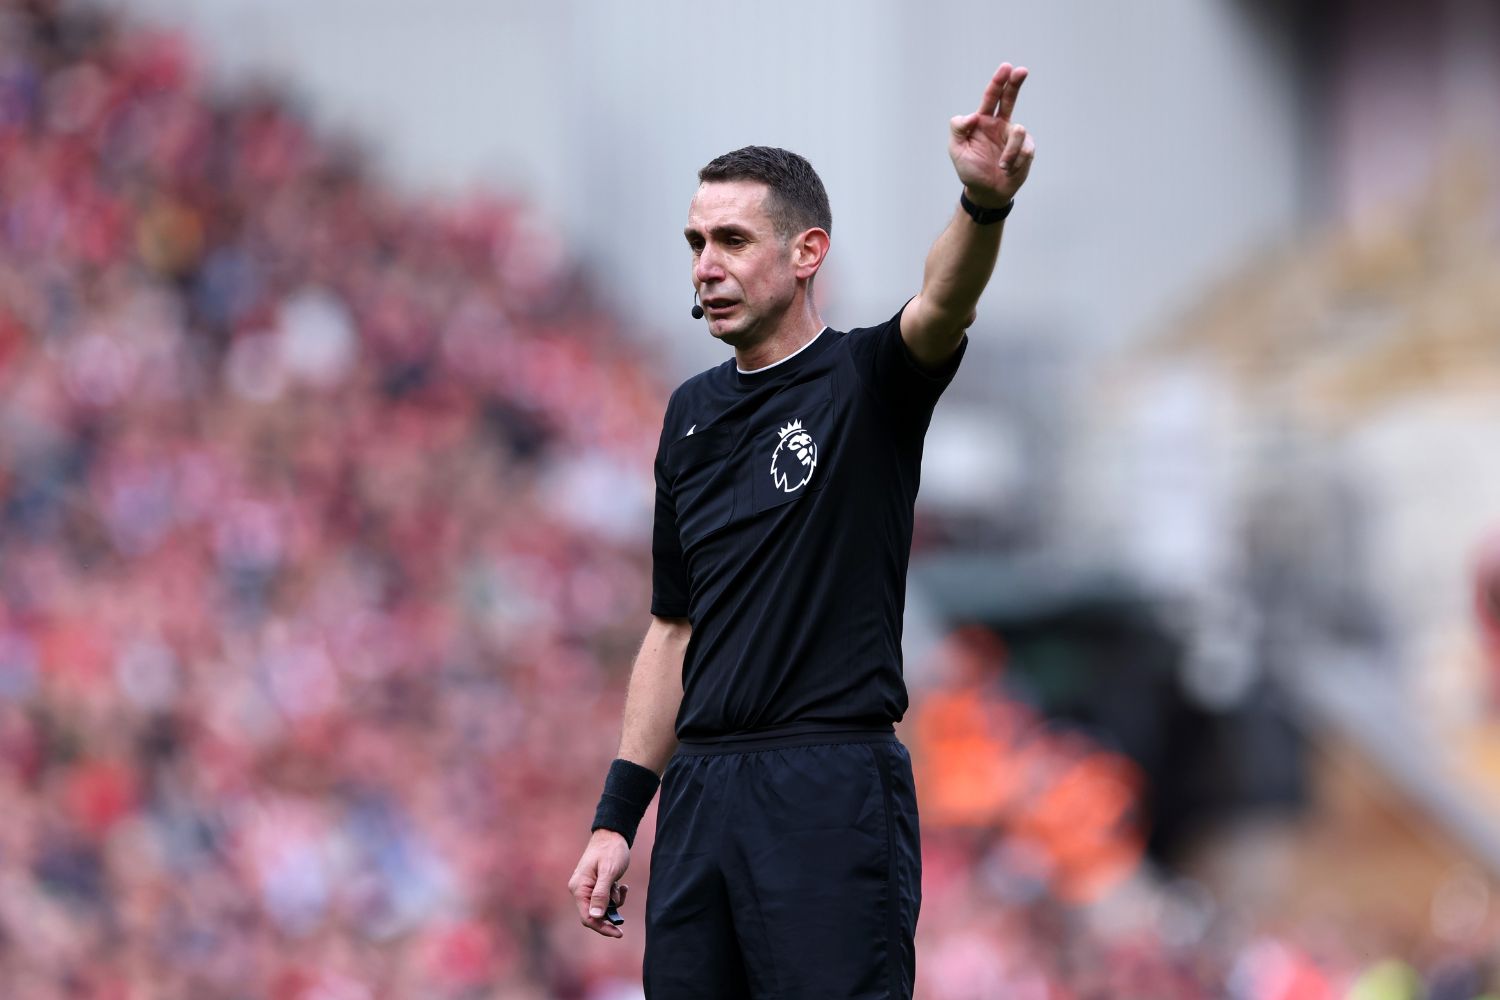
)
(783, 530)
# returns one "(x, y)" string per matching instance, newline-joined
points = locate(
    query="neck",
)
(796, 330)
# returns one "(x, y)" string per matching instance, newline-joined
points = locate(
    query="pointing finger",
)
(994, 90)
(1012, 89)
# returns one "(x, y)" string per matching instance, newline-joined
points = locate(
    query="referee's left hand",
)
(991, 153)
(593, 884)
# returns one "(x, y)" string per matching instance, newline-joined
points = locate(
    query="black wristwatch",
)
(984, 216)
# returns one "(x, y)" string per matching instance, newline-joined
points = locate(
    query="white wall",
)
(1166, 145)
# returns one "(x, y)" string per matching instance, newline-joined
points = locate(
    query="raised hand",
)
(992, 154)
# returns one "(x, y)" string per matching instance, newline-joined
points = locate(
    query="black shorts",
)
(786, 867)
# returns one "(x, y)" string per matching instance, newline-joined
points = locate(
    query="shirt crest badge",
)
(795, 458)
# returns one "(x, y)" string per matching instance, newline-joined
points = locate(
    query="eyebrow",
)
(719, 232)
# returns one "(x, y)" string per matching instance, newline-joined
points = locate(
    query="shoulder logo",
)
(795, 458)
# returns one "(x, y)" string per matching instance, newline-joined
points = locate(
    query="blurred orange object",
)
(986, 761)
(966, 774)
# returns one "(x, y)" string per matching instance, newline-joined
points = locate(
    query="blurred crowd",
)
(324, 521)
(321, 520)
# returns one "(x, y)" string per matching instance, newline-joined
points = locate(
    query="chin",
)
(730, 334)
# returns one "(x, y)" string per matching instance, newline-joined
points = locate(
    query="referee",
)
(787, 862)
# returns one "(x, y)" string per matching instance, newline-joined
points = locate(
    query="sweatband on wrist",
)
(984, 216)
(628, 790)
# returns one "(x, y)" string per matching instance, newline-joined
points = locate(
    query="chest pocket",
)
(702, 482)
(791, 445)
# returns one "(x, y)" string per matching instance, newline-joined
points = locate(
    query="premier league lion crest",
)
(795, 458)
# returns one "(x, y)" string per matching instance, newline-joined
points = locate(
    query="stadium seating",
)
(323, 550)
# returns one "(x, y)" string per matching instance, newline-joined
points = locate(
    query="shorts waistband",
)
(796, 734)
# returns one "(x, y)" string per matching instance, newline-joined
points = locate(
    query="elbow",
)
(955, 318)
(934, 313)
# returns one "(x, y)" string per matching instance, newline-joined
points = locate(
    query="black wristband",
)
(628, 790)
(981, 215)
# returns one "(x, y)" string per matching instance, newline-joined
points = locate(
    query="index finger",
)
(994, 90)
(1009, 92)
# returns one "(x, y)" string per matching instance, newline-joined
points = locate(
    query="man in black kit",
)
(787, 862)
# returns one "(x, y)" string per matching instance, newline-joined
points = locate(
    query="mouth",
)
(719, 306)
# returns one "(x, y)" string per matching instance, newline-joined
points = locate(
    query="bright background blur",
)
(334, 340)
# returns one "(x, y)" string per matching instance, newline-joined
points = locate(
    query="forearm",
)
(651, 702)
(654, 695)
(958, 268)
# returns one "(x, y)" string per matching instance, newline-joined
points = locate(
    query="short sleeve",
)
(669, 583)
(906, 390)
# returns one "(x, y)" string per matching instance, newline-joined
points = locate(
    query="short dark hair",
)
(797, 199)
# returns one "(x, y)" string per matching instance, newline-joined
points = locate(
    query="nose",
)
(707, 269)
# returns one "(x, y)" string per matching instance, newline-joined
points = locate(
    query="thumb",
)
(962, 125)
(600, 899)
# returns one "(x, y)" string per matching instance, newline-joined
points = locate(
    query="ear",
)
(808, 251)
